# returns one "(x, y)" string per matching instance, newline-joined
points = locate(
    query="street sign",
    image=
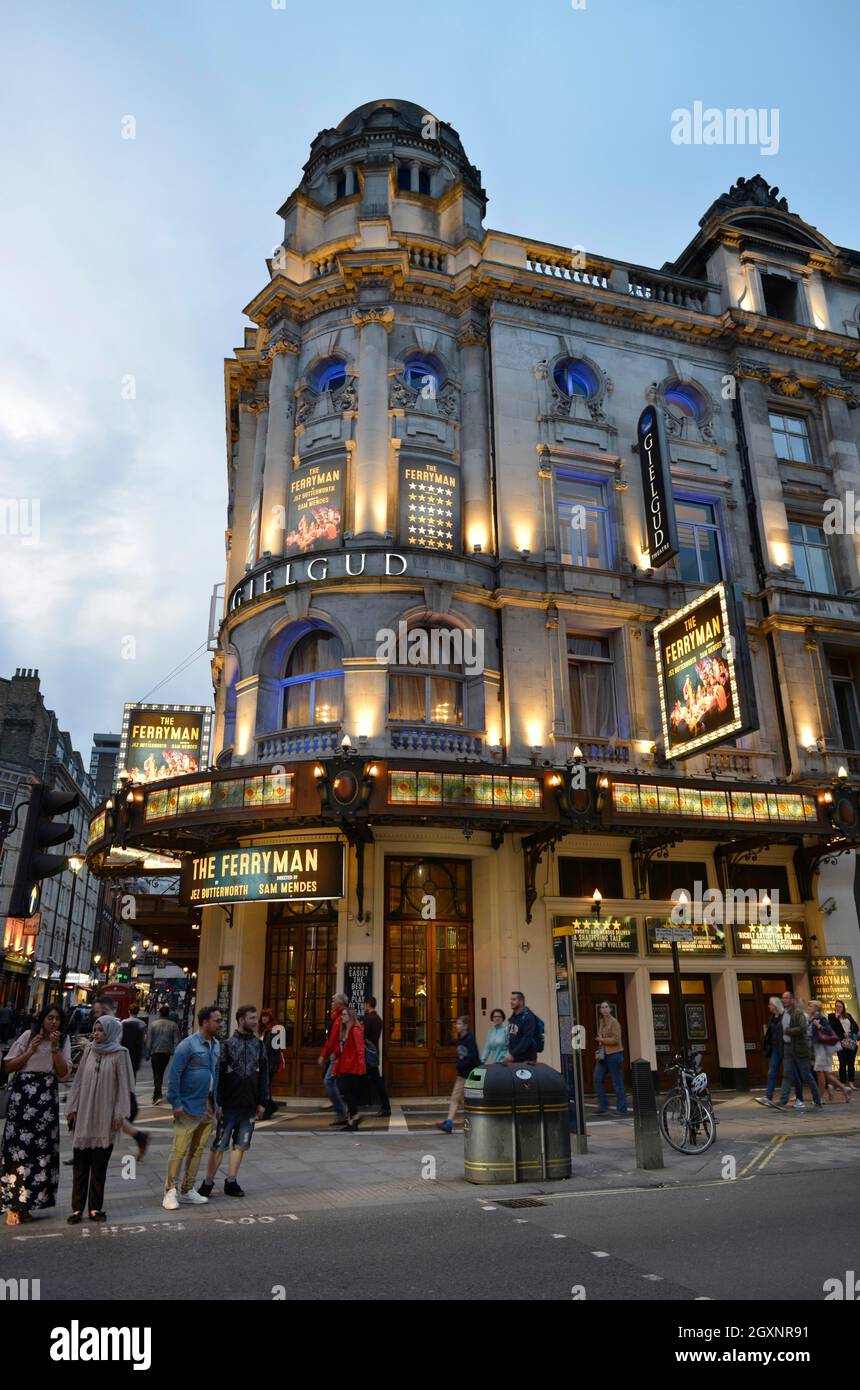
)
(673, 933)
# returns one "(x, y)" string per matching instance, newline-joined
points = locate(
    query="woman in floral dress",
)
(30, 1167)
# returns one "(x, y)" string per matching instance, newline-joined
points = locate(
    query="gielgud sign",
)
(703, 673)
(305, 871)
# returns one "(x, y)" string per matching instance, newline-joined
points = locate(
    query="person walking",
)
(467, 1058)
(191, 1094)
(496, 1046)
(7, 1025)
(846, 1030)
(372, 1024)
(350, 1065)
(824, 1043)
(162, 1041)
(30, 1164)
(274, 1056)
(773, 1045)
(327, 1058)
(523, 1031)
(133, 1039)
(609, 1058)
(98, 1103)
(796, 1054)
(241, 1096)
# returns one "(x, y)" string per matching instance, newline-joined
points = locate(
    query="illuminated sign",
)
(703, 675)
(349, 564)
(161, 741)
(430, 506)
(832, 978)
(612, 936)
(662, 533)
(769, 939)
(315, 514)
(306, 871)
(707, 940)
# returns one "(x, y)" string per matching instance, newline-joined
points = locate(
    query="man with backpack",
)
(525, 1031)
(468, 1057)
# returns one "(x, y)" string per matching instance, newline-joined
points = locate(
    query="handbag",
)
(371, 1055)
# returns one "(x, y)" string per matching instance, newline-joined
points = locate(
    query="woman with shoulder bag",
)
(350, 1065)
(846, 1030)
(824, 1044)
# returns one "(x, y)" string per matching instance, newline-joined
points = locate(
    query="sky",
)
(125, 262)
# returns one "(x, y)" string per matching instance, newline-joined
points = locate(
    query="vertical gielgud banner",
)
(161, 741)
(660, 525)
(315, 510)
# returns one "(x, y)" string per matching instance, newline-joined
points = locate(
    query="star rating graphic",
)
(430, 512)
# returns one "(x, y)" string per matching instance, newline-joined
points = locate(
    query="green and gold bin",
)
(516, 1126)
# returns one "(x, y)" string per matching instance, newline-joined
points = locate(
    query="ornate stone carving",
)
(282, 345)
(678, 425)
(337, 402)
(402, 396)
(374, 314)
(472, 335)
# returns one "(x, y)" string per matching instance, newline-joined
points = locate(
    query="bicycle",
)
(687, 1118)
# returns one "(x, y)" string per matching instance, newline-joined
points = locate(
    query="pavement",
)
(394, 1196)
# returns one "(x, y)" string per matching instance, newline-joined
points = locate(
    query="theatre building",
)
(532, 594)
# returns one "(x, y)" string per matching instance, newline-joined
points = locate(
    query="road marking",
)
(658, 1278)
(485, 1208)
(557, 1236)
(397, 1120)
(780, 1140)
(600, 1254)
(521, 1221)
(49, 1235)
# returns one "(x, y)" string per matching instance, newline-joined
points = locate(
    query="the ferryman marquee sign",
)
(306, 871)
(703, 673)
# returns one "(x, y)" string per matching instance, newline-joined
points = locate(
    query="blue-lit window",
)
(423, 181)
(811, 557)
(329, 375)
(423, 374)
(313, 689)
(698, 559)
(575, 378)
(790, 438)
(404, 177)
(684, 399)
(583, 522)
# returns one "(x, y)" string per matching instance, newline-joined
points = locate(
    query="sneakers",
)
(170, 1201)
(799, 1105)
(760, 1100)
(446, 1126)
(194, 1199)
(205, 1188)
(232, 1188)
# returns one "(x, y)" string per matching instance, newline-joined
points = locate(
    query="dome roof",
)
(389, 120)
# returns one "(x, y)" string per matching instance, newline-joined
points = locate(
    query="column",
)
(730, 1032)
(474, 439)
(247, 691)
(284, 356)
(846, 483)
(242, 491)
(766, 476)
(370, 458)
(255, 500)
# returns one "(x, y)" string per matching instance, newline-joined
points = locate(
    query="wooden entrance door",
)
(755, 991)
(428, 971)
(702, 1036)
(591, 992)
(301, 977)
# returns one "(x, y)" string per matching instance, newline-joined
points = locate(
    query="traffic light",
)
(40, 833)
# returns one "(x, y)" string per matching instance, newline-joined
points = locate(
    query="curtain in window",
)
(592, 688)
(446, 701)
(406, 698)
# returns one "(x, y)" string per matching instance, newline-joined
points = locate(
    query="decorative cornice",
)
(282, 345)
(472, 335)
(792, 385)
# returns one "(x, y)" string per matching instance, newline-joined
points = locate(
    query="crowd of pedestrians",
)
(800, 1040)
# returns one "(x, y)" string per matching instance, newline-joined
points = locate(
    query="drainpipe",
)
(494, 500)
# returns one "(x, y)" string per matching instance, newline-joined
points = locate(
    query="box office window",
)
(578, 878)
(668, 876)
(762, 878)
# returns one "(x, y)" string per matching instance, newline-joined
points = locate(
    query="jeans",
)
(332, 1091)
(159, 1062)
(374, 1079)
(89, 1171)
(797, 1069)
(773, 1073)
(614, 1064)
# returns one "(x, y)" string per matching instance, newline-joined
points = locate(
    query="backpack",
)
(540, 1031)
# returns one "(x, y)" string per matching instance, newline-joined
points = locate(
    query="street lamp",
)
(75, 863)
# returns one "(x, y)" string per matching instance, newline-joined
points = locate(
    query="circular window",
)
(423, 373)
(684, 399)
(574, 377)
(329, 374)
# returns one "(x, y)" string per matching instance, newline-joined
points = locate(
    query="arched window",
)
(313, 689)
(684, 399)
(430, 689)
(573, 377)
(329, 375)
(423, 373)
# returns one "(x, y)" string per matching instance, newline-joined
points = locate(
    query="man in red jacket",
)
(328, 1057)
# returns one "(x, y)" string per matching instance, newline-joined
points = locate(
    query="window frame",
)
(850, 683)
(805, 434)
(429, 674)
(804, 544)
(311, 678)
(697, 500)
(603, 509)
(574, 659)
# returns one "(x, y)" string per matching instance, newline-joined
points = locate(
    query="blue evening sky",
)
(132, 259)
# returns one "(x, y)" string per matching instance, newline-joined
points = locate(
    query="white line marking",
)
(397, 1122)
(489, 1208)
(521, 1221)
(49, 1235)
(557, 1236)
(601, 1254)
(657, 1277)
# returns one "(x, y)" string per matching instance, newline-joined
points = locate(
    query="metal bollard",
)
(649, 1145)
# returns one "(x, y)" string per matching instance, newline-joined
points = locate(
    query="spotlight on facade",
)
(577, 754)
(535, 751)
(842, 774)
(524, 552)
(346, 742)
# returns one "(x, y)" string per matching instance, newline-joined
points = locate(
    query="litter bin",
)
(516, 1126)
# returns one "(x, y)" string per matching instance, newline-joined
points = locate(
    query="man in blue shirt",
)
(191, 1087)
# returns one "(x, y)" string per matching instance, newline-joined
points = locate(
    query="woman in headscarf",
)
(99, 1101)
(37, 1061)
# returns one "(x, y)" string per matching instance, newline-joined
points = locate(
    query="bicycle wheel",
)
(702, 1128)
(673, 1119)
